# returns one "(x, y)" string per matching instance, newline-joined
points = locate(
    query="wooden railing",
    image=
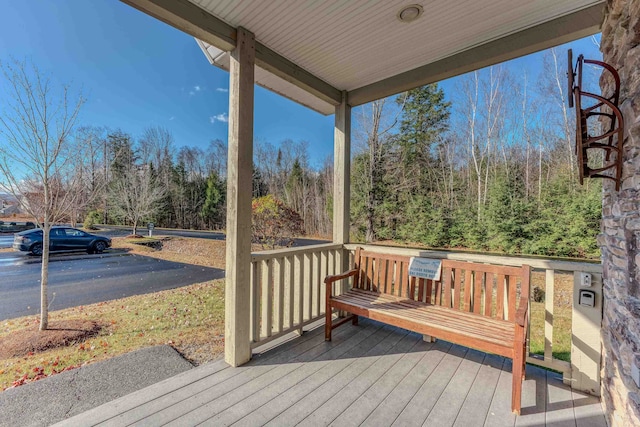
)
(287, 290)
(287, 295)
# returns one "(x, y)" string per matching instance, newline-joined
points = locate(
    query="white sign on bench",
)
(425, 268)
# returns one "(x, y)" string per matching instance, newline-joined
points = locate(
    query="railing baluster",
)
(331, 257)
(267, 298)
(324, 271)
(548, 314)
(288, 292)
(299, 289)
(278, 297)
(254, 318)
(308, 286)
(315, 280)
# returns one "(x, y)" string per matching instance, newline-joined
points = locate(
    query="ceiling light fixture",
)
(410, 13)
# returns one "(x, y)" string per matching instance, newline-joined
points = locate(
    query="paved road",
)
(6, 240)
(80, 279)
(119, 231)
(116, 230)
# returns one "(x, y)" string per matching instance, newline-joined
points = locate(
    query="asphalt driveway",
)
(6, 240)
(80, 279)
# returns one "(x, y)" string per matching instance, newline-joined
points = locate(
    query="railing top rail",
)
(517, 261)
(279, 253)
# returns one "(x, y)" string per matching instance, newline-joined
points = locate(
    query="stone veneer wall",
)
(620, 238)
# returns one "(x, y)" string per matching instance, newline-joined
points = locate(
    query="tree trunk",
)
(44, 276)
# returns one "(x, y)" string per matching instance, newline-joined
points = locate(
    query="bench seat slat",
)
(496, 331)
(358, 296)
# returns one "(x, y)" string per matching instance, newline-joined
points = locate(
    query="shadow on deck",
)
(371, 374)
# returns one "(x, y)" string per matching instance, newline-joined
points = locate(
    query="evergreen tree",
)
(213, 208)
(425, 119)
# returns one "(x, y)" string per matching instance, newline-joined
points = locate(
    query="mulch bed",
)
(60, 333)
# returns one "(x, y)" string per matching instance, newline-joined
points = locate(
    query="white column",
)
(342, 172)
(342, 180)
(237, 348)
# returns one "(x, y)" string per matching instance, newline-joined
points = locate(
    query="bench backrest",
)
(485, 289)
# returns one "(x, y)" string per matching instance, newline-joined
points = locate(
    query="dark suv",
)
(61, 239)
(14, 227)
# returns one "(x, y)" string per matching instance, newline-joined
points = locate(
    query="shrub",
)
(274, 224)
(92, 218)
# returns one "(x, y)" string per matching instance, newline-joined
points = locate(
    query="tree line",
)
(132, 181)
(491, 168)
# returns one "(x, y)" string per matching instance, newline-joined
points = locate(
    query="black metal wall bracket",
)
(610, 141)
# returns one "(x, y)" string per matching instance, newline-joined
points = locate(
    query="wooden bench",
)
(475, 305)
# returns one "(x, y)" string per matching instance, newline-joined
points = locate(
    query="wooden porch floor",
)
(372, 374)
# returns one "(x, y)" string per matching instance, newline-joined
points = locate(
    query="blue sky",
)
(137, 72)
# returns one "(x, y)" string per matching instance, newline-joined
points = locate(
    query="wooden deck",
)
(372, 374)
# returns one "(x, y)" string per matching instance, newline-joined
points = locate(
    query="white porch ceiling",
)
(361, 47)
(270, 81)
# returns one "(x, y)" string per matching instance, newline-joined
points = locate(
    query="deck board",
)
(311, 384)
(476, 405)
(295, 414)
(559, 411)
(386, 413)
(499, 414)
(323, 366)
(391, 349)
(368, 401)
(371, 375)
(203, 406)
(534, 398)
(452, 398)
(418, 408)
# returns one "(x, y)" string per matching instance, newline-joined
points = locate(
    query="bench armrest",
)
(329, 280)
(335, 277)
(522, 312)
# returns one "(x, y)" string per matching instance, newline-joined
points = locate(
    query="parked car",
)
(61, 239)
(14, 227)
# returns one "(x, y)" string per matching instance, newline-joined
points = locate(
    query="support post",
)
(342, 181)
(586, 326)
(237, 347)
(342, 172)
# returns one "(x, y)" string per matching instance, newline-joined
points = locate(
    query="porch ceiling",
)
(360, 46)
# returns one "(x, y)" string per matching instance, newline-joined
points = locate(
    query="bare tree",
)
(136, 194)
(552, 84)
(374, 124)
(482, 110)
(89, 168)
(37, 156)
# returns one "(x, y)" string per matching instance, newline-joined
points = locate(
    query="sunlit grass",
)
(191, 319)
(563, 285)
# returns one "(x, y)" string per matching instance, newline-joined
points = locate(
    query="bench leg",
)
(354, 320)
(327, 323)
(524, 361)
(428, 338)
(517, 372)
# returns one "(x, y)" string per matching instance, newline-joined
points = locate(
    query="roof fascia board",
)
(189, 18)
(287, 70)
(561, 30)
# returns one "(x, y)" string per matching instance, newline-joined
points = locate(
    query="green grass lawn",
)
(561, 317)
(191, 319)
